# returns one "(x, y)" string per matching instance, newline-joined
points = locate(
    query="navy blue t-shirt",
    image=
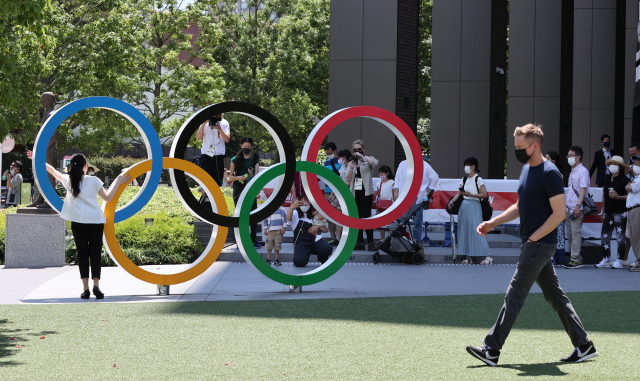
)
(537, 186)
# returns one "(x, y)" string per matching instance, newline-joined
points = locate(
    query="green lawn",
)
(412, 338)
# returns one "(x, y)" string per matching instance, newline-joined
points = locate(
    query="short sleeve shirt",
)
(328, 164)
(84, 208)
(387, 190)
(537, 185)
(212, 141)
(470, 186)
(245, 168)
(618, 184)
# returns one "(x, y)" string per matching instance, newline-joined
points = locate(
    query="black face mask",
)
(246, 150)
(521, 155)
(606, 144)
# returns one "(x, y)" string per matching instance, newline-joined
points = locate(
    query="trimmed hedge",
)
(166, 241)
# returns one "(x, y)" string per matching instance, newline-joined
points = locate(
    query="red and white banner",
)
(502, 194)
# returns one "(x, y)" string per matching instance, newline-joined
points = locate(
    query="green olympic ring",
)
(334, 263)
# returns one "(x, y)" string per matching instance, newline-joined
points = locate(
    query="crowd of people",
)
(356, 167)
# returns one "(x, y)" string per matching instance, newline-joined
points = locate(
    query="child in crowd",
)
(319, 220)
(384, 192)
(273, 229)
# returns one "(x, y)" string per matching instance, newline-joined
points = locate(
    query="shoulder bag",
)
(487, 210)
(456, 205)
(383, 204)
(588, 205)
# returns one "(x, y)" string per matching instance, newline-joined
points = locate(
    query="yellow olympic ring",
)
(203, 263)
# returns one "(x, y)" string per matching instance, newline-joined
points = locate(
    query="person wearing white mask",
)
(14, 183)
(470, 243)
(307, 238)
(578, 188)
(614, 212)
(633, 215)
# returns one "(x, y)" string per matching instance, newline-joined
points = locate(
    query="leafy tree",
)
(19, 19)
(276, 55)
(424, 76)
(120, 48)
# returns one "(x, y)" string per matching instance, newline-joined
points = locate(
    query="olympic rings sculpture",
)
(244, 217)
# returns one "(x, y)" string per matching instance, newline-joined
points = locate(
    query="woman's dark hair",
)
(240, 155)
(472, 161)
(311, 208)
(76, 166)
(555, 157)
(346, 154)
(385, 168)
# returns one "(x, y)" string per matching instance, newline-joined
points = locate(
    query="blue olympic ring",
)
(149, 135)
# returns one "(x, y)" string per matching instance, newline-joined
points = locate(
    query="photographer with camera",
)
(360, 173)
(214, 133)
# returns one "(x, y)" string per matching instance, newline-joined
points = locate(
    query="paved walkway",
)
(239, 281)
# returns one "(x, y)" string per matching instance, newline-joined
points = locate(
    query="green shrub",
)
(166, 241)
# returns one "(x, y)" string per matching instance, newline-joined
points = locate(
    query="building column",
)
(460, 85)
(534, 72)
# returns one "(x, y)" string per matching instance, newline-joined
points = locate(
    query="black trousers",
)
(88, 239)
(364, 210)
(237, 191)
(214, 166)
(307, 246)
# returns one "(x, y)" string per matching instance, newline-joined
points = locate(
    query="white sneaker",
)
(605, 262)
(618, 264)
(625, 263)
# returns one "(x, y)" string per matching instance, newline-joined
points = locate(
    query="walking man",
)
(540, 207)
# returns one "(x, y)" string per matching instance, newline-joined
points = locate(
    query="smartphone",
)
(572, 216)
(461, 189)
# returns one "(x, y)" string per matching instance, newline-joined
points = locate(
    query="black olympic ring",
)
(285, 146)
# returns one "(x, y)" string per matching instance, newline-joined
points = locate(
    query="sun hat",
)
(616, 160)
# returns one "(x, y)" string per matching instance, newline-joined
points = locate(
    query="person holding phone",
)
(614, 212)
(214, 133)
(360, 173)
(472, 188)
(307, 237)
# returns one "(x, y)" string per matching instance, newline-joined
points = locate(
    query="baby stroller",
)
(399, 242)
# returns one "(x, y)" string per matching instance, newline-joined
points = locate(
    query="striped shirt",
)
(276, 221)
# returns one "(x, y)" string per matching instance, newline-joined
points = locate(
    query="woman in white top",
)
(470, 243)
(87, 219)
(384, 190)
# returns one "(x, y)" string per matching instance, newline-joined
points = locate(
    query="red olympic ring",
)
(409, 142)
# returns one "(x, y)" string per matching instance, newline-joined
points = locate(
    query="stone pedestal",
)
(34, 240)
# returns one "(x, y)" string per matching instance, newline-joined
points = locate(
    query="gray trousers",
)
(534, 265)
(574, 233)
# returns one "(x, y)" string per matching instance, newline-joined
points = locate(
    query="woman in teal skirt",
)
(470, 243)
